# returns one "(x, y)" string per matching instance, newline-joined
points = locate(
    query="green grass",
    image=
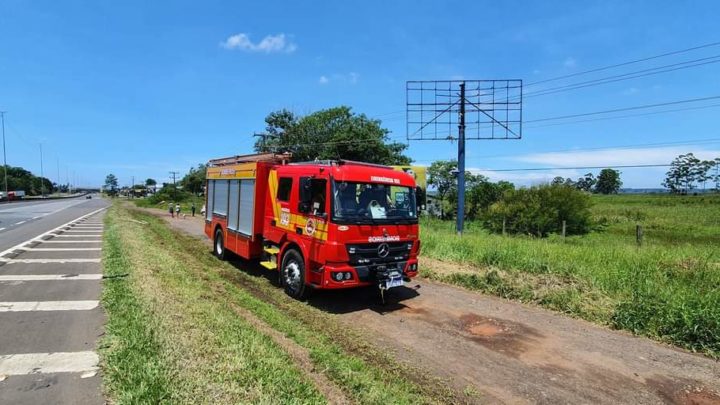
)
(175, 267)
(172, 339)
(185, 201)
(134, 370)
(666, 289)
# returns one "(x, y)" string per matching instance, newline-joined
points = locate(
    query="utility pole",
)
(58, 173)
(263, 138)
(132, 187)
(174, 186)
(42, 179)
(5, 167)
(461, 162)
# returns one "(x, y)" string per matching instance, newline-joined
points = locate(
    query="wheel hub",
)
(292, 275)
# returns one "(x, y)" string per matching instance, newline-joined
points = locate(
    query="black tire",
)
(219, 245)
(292, 274)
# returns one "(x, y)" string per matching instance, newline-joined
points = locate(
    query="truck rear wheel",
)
(219, 245)
(292, 273)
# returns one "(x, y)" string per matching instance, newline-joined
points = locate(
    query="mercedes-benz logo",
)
(383, 250)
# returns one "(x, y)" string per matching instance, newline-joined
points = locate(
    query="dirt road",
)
(497, 351)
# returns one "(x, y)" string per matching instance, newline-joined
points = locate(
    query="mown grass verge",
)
(665, 289)
(169, 259)
(134, 370)
(171, 339)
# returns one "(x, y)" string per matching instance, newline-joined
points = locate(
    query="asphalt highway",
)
(50, 315)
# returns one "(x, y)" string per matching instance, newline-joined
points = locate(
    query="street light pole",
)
(7, 197)
(42, 180)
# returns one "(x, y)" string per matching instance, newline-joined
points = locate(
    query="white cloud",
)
(616, 157)
(570, 62)
(351, 78)
(269, 44)
(527, 178)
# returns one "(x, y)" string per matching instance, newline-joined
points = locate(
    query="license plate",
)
(394, 282)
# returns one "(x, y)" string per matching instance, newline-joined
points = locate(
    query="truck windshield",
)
(373, 202)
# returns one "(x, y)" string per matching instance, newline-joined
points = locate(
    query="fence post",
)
(639, 234)
(564, 227)
(503, 231)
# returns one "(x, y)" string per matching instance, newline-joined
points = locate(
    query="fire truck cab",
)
(321, 225)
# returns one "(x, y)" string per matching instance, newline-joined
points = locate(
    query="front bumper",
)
(364, 275)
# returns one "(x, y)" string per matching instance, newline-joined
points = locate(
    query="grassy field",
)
(185, 327)
(185, 204)
(667, 289)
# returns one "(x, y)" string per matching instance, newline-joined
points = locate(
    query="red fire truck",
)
(321, 225)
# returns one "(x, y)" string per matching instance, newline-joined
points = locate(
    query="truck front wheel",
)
(293, 274)
(219, 245)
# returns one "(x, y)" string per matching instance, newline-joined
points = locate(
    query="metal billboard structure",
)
(460, 110)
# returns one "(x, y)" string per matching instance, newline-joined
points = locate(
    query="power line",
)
(625, 76)
(574, 168)
(631, 146)
(561, 117)
(625, 116)
(624, 63)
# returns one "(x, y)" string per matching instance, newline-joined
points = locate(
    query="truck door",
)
(313, 209)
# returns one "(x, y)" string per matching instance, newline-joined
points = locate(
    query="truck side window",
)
(284, 187)
(319, 189)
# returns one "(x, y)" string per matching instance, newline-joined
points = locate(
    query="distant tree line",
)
(687, 173)
(607, 182)
(21, 179)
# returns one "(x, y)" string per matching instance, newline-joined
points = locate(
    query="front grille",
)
(367, 253)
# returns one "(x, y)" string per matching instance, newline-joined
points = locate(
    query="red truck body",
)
(322, 225)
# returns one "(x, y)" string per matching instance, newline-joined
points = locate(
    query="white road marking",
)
(78, 236)
(46, 261)
(73, 241)
(26, 306)
(37, 363)
(50, 277)
(20, 223)
(57, 249)
(36, 217)
(50, 232)
(2, 229)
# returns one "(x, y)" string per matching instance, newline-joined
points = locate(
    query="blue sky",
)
(142, 88)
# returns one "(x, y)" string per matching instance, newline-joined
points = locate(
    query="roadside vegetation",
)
(665, 288)
(213, 334)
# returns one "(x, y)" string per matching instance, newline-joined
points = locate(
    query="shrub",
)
(540, 210)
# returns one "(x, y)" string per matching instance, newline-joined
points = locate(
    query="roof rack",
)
(339, 162)
(257, 157)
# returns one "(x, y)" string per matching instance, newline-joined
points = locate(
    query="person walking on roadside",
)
(177, 210)
(170, 208)
(192, 209)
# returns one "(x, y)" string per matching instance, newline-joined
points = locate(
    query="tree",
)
(481, 193)
(335, 133)
(441, 175)
(558, 180)
(150, 182)
(608, 182)
(194, 180)
(541, 210)
(111, 184)
(586, 183)
(686, 170)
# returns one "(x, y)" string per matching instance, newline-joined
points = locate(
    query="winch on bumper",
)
(386, 264)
